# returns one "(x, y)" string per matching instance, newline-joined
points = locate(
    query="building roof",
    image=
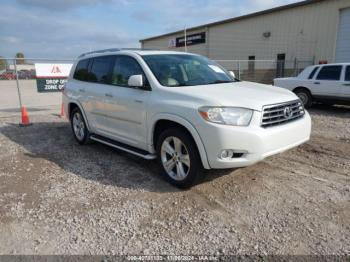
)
(267, 11)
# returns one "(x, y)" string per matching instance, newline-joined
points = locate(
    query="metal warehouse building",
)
(311, 30)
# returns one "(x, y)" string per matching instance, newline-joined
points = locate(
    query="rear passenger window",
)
(313, 72)
(347, 73)
(81, 70)
(329, 73)
(101, 69)
(125, 67)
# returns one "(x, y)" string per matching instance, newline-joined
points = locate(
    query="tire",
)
(79, 128)
(304, 96)
(186, 163)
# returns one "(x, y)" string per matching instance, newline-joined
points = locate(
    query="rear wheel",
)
(304, 96)
(178, 158)
(80, 131)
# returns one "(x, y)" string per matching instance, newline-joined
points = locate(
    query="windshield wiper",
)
(222, 81)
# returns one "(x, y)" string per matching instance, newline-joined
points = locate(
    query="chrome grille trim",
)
(277, 114)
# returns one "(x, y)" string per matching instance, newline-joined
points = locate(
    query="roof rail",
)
(100, 51)
(112, 50)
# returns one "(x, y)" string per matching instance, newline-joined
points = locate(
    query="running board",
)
(129, 149)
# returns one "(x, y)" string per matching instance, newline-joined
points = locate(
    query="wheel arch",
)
(75, 104)
(169, 120)
(302, 88)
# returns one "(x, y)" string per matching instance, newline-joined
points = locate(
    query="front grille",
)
(278, 114)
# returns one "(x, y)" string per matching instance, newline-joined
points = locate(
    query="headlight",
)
(234, 116)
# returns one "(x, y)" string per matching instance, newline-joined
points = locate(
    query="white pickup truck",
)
(329, 84)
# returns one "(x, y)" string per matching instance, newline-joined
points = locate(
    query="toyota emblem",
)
(287, 112)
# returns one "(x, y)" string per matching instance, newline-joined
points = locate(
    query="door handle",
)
(316, 83)
(82, 90)
(108, 95)
(347, 84)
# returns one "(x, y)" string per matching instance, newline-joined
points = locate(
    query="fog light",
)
(227, 153)
(231, 153)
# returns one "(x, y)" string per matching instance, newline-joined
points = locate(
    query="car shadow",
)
(53, 141)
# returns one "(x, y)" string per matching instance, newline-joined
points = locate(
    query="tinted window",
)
(125, 67)
(100, 71)
(347, 73)
(329, 73)
(313, 72)
(81, 70)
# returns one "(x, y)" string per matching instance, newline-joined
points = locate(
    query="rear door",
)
(80, 83)
(94, 91)
(327, 82)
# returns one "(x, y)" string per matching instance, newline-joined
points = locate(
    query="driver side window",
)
(124, 67)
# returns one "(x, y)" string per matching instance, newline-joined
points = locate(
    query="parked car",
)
(8, 75)
(182, 109)
(329, 83)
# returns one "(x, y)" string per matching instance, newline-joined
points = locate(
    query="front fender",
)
(181, 121)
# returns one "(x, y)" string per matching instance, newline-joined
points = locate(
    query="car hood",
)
(239, 94)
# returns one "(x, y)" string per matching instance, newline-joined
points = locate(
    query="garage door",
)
(343, 39)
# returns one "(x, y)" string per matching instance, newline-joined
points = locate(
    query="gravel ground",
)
(57, 197)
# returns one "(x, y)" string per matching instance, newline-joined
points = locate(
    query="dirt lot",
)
(57, 197)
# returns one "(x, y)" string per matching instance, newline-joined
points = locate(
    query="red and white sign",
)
(52, 70)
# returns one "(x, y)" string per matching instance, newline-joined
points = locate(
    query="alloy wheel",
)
(79, 126)
(175, 158)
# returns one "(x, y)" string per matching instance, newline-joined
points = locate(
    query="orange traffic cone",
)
(25, 117)
(62, 110)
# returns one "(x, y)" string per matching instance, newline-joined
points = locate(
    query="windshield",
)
(186, 70)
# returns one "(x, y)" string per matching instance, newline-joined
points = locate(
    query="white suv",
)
(329, 84)
(181, 108)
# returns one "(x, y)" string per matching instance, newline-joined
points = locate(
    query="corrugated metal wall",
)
(303, 33)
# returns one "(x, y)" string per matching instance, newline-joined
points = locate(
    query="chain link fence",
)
(19, 87)
(19, 80)
(264, 71)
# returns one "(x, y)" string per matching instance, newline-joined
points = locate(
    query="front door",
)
(125, 106)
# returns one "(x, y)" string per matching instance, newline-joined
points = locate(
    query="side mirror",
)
(232, 74)
(135, 81)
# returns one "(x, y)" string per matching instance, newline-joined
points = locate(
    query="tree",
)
(3, 63)
(21, 60)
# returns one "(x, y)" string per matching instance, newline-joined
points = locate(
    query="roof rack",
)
(112, 50)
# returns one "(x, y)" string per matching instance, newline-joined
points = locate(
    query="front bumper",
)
(258, 142)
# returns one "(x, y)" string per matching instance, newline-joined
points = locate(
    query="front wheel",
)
(178, 158)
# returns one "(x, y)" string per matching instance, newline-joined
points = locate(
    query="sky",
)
(63, 29)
